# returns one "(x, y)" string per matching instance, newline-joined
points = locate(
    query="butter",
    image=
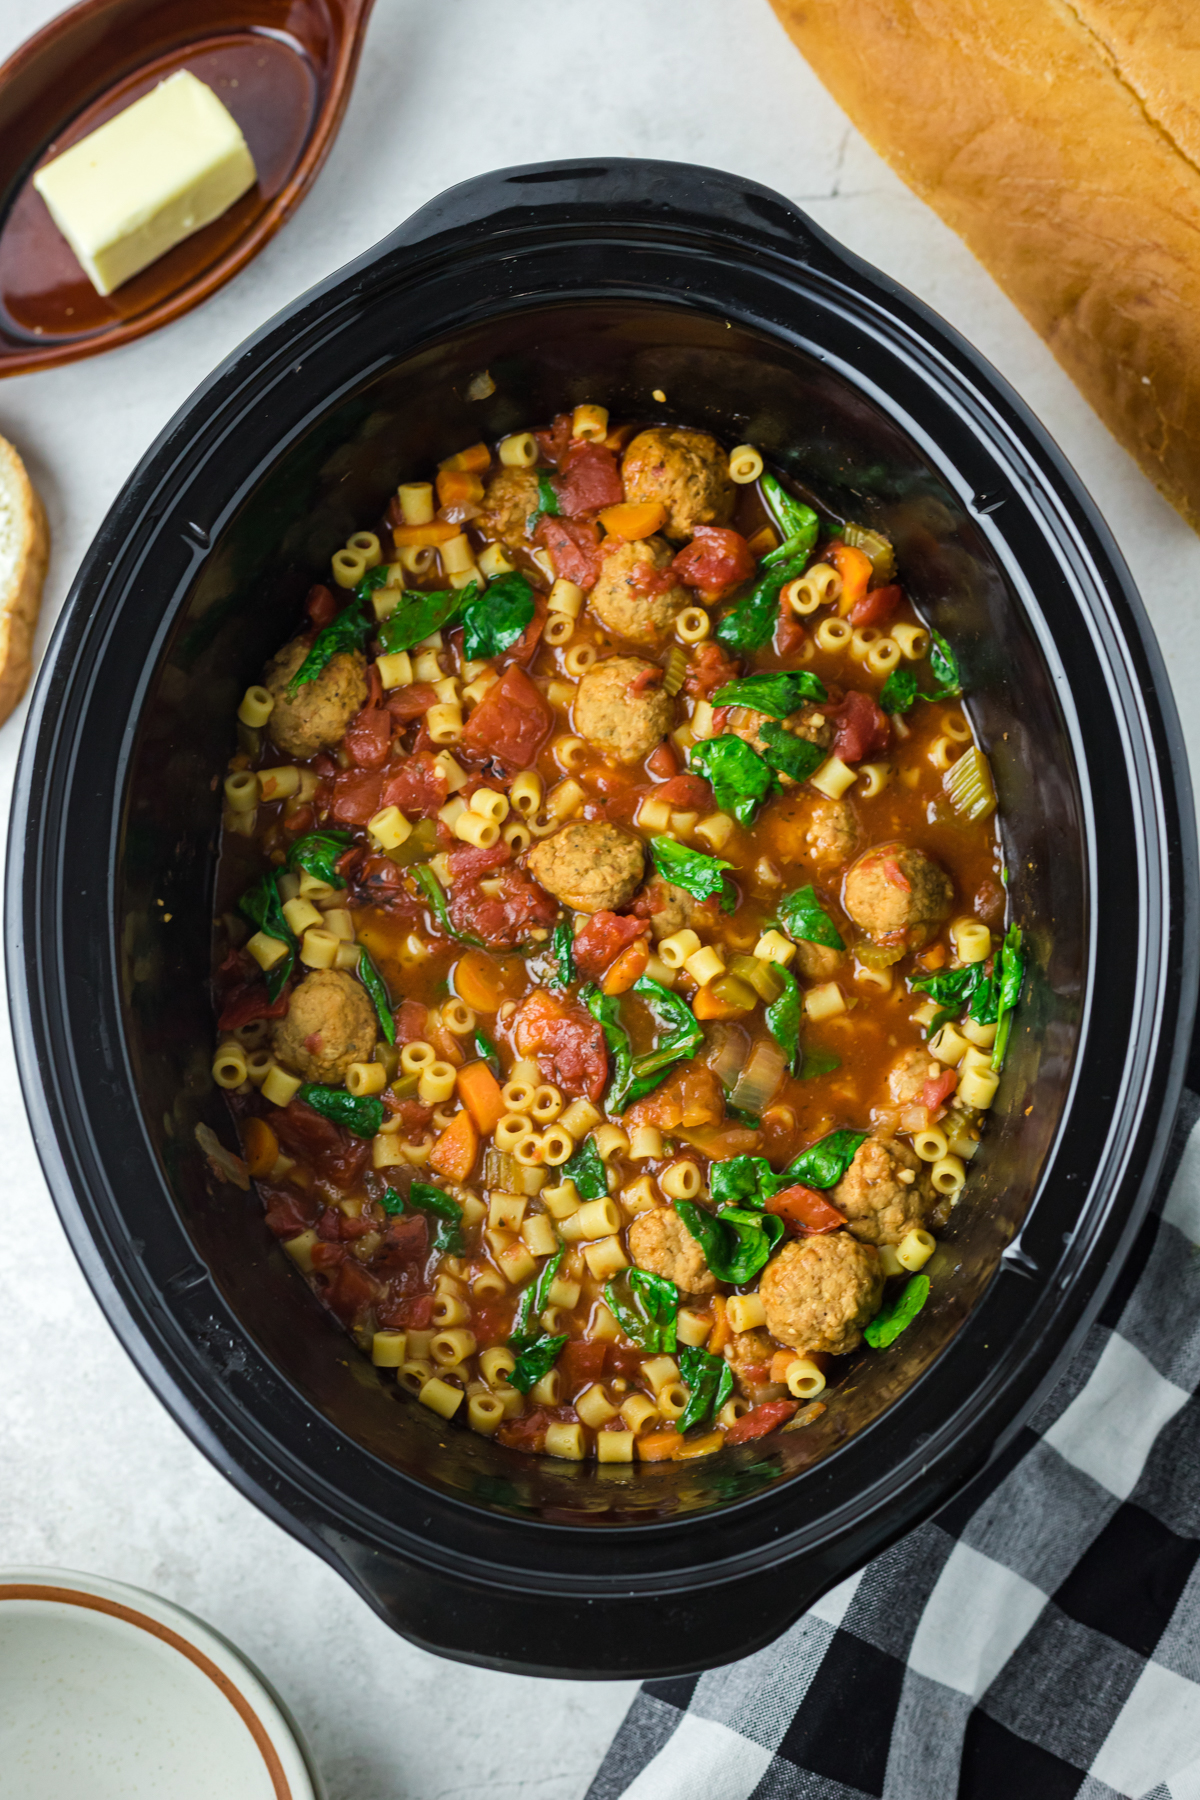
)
(131, 190)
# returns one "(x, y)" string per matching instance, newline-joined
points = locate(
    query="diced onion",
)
(759, 1080)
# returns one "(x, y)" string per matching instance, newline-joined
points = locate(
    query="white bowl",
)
(113, 1694)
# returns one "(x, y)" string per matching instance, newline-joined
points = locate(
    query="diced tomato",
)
(527, 1432)
(380, 880)
(351, 1290)
(408, 1240)
(320, 606)
(860, 728)
(895, 874)
(553, 443)
(715, 559)
(806, 1212)
(645, 678)
(938, 1089)
(760, 1420)
(663, 763)
(643, 577)
(567, 1042)
(410, 1019)
(602, 940)
(369, 736)
(710, 669)
(355, 796)
(336, 1155)
(468, 864)
(588, 480)
(789, 632)
(876, 607)
(405, 703)
(412, 1312)
(248, 1004)
(511, 722)
(690, 1097)
(522, 651)
(574, 547)
(685, 792)
(328, 1256)
(581, 1363)
(413, 1114)
(287, 1214)
(505, 919)
(418, 787)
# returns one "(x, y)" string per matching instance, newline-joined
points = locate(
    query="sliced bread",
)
(24, 552)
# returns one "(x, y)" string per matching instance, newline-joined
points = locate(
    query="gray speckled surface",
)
(93, 1474)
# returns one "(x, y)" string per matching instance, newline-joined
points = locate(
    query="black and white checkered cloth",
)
(1039, 1639)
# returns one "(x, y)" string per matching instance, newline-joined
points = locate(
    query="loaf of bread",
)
(24, 551)
(1062, 142)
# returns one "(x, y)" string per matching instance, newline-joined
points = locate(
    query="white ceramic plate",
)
(109, 1693)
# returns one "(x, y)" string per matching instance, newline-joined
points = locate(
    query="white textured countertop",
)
(93, 1473)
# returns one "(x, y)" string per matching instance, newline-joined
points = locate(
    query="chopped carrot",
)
(629, 965)
(420, 537)
(934, 958)
(457, 486)
(781, 1362)
(720, 1334)
(480, 1094)
(455, 1151)
(474, 458)
(618, 437)
(633, 518)
(706, 1006)
(261, 1147)
(806, 1416)
(854, 567)
(479, 981)
(763, 541)
(702, 1446)
(659, 1446)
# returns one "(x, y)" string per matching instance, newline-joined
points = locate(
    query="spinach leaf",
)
(673, 1015)
(802, 916)
(563, 952)
(747, 1178)
(944, 664)
(263, 907)
(535, 1361)
(736, 1244)
(372, 980)
(818, 1062)
(783, 1018)
(887, 1325)
(752, 622)
(493, 621)
(420, 614)
(535, 1298)
(606, 1010)
(317, 853)
(649, 1322)
(780, 694)
(823, 1164)
(788, 754)
(349, 631)
(585, 1168)
(709, 1382)
(547, 496)
(952, 988)
(446, 1212)
(1012, 979)
(739, 777)
(703, 876)
(363, 1115)
(435, 896)
(798, 524)
(391, 1203)
(899, 691)
(486, 1051)
(374, 578)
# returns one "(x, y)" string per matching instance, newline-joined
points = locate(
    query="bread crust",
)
(21, 597)
(1062, 142)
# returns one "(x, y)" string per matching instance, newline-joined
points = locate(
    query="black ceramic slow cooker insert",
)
(565, 283)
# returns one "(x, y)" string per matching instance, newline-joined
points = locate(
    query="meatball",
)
(897, 894)
(819, 1292)
(687, 471)
(315, 717)
(509, 502)
(592, 867)
(661, 1242)
(749, 1356)
(822, 831)
(620, 599)
(908, 1075)
(676, 909)
(625, 720)
(817, 962)
(329, 1024)
(884, 1193)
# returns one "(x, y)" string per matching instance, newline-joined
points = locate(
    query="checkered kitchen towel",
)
(1038, 1640)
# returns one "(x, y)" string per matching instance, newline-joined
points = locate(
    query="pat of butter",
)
(130, 191)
